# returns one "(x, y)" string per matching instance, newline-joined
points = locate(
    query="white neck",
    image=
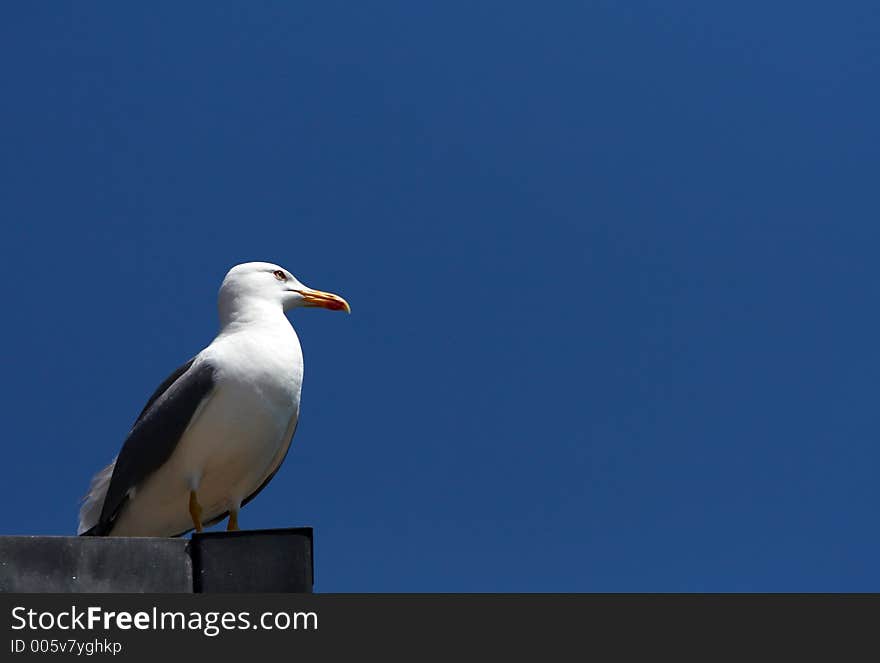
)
(244, 310)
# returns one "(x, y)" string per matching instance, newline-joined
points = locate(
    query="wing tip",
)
(93, 502)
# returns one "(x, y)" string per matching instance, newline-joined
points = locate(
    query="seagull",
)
(215, 432)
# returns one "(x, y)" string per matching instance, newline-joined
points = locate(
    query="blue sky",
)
(613, 271)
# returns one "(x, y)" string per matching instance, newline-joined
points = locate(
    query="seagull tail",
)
(93, 502)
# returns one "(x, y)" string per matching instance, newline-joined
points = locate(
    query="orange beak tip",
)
(325, 300)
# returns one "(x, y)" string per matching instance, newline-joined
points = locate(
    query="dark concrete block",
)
(278, 560)
(272, 560)
(89, 564)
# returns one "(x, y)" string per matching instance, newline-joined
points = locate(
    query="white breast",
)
(235, 440)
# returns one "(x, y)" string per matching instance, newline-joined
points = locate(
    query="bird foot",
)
(195, 511)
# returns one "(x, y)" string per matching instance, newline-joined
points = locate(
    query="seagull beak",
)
(324, 300)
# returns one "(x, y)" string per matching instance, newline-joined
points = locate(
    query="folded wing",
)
(149, 444)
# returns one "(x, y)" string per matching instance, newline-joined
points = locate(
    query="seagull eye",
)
(281, 276)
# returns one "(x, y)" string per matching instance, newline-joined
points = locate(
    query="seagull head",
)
(257, 284)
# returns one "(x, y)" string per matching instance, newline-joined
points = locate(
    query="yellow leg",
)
(232, 525)
(195, 510)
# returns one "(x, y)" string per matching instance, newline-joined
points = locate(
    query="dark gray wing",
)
(154, 436)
